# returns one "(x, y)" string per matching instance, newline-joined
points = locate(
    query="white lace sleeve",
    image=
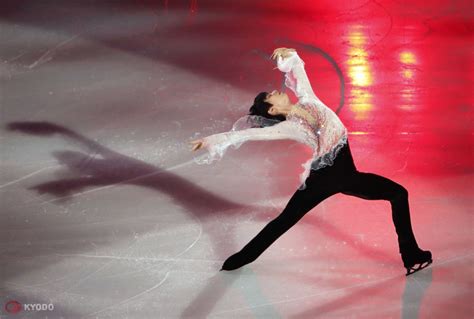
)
(295, 77)
(217, 144)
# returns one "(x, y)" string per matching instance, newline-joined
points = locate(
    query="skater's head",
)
(273, 105)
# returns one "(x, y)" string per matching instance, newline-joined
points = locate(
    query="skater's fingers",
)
(288, 52)
(195, 141)
(197, 146)
(276, 52)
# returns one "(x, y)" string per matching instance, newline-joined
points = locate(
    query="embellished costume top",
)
(310, 122)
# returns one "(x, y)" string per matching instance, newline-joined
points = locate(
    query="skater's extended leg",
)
(300, 203)
(373, 186)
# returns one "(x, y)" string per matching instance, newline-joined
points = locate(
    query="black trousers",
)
(341, 177)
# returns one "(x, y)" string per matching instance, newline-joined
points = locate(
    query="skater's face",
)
(280, 101)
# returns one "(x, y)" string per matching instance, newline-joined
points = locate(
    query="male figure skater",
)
(329, 171)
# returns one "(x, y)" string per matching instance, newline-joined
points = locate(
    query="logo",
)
(13, 306)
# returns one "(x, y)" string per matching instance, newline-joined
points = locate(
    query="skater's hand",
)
(198, 144)
(283, 52)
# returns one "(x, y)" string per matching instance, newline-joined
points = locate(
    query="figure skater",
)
(329, 171)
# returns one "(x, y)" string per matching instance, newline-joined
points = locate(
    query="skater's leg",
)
(300, 203)
(372, 186)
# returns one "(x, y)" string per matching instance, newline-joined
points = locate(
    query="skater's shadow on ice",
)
(100, 166)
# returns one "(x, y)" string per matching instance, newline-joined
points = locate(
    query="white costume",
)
(309, 122)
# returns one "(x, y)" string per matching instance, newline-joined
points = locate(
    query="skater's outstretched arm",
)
(217, 144)
(296, 78)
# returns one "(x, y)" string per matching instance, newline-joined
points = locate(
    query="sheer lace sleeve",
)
(217, 144)
(296, 78)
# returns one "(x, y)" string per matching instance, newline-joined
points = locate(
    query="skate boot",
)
(236, 261)
(415, 256)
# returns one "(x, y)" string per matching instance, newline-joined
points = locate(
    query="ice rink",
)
(105, 214)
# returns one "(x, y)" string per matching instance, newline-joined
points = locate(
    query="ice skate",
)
(416, 259)
(235, 261)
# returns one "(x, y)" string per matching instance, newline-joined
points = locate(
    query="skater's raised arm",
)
(296, 79)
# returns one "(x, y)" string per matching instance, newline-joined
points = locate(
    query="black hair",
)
(260, 107)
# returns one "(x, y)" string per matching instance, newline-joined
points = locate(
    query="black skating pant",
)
(341, 177)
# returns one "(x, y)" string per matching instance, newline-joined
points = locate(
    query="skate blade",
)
(421, 266)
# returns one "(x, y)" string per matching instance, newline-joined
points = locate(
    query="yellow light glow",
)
(357, 37)
(407, 57)
(360, 73)
(407, 74)
(358, 133)
(361, 102)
